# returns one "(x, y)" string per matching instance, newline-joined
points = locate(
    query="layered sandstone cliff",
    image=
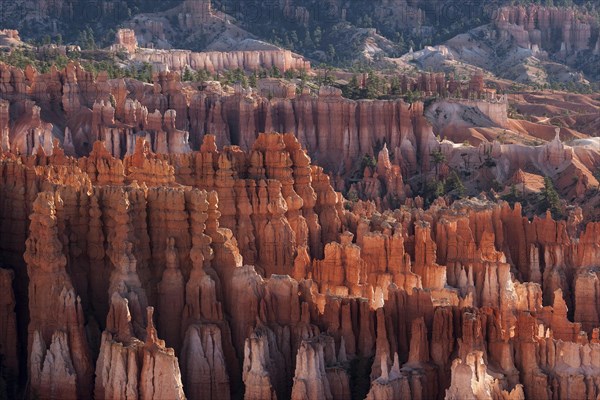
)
(213, 61)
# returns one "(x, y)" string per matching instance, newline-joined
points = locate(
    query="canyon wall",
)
(172, 112)
(174, 117)
(213, 61)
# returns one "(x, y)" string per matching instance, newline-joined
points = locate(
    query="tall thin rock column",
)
(56, 316)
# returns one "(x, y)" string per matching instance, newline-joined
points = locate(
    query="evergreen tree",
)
(317, 35)
(395, 86)
(144, 73)
(352, 89)
(289, 74)
(275, 72)
(309, 45)
(400, 41)
(454, 184)
(91, 42)
(294, 39)
(82, 39)
(551, 199)
(302, 74)
(253, 80)
(375, 86)
(331, 52)
(202, 75)
(432, 190)
(438, 158)
(187, 75)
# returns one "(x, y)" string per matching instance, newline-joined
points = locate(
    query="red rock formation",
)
(160, 370)
(4, 125)
(56, 315)
(459, 299)
(208, 358)
(10, 33)
(117, 113)
(80, 94)
(342, 271)
(171, 298)
(126, 40)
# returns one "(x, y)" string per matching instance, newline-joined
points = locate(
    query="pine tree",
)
(352, 89)
(202, 75)
(187, 75)
(83, 39)
(438, 158)
(275, 72)
(331, 52)
(253, 80)
(551, 199)
(374, 86)
(454, 183)
(91, 42)
(317, 35)
(400, 41)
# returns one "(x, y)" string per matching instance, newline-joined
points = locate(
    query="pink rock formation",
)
(171, 298)
(205, 365)
(137, 369)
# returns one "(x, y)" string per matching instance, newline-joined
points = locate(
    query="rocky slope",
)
(535, 45)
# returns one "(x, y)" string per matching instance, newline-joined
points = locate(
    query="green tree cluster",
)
(86, 39)
(374, 87)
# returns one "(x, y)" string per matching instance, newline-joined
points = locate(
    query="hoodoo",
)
(223, 200)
